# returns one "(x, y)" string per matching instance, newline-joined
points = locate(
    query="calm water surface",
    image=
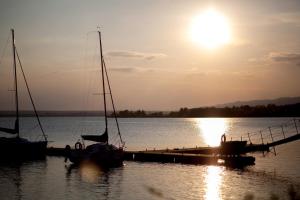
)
(54, 179)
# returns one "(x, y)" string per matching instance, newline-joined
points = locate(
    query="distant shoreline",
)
(271, 110)
(52, 113)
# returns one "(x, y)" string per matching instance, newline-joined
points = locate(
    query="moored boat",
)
(16, 147)
(232, 147)
(101, 152)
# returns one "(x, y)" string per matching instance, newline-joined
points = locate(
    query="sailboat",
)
(16, 147)
(101, 152)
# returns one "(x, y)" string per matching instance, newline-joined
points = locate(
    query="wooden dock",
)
(215, 155)
(183, 156)
(168, 157)
(188, 158)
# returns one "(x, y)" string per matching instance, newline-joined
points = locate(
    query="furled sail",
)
(96, 138)
(10, 130)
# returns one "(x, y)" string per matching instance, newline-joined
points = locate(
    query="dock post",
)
(296, 126)
(262, 140)
(271, 134)
(272, 140)
(283, 132)
(249, 138)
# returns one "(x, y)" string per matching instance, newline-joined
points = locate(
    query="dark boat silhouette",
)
(101, 153)
(16, 147)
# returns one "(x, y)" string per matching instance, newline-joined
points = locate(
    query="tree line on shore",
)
(271, 110)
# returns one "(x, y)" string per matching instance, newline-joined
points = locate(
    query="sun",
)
(210, 29)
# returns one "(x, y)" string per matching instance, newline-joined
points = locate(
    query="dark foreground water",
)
(54, 179)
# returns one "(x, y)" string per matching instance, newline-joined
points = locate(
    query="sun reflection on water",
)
(213, 180)
(211, 129)
(90, 172)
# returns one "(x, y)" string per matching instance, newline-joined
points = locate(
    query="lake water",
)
(54, 179)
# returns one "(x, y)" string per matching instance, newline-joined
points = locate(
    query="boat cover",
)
(96, 138)
(10, 130)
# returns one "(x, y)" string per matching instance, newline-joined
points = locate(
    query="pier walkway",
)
(260, 141)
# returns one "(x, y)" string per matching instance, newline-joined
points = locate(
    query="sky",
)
(152, 61)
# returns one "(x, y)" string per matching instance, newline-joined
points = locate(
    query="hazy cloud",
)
(134, 54)
(264, 60)
(240, 43)
(277, 57)
(243, 74)
(289, 17)
(124, 69)
(293, 58)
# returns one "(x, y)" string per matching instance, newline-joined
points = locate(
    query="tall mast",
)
(103, 83)
(16, 83)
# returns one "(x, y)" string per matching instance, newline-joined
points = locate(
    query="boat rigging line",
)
(113, 105)
(30, 96)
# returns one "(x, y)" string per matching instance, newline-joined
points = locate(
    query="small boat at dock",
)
(231, 147)
(101, 152)
(16, 148)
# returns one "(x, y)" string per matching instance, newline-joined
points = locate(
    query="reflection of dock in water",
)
(232, 153)
(189, 158)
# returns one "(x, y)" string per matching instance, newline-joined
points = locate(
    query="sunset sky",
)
(154, 61)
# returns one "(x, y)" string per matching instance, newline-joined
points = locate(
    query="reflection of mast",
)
(107, 185)
(18, 182)
(104, 179)
(112, 177)
(13, 173)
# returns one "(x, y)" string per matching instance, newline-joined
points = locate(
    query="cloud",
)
(277, 57)
(133, 54)
(243, 74)
(292, 58)
(240, 43)
(264, 60)
(124, 69)
(286, 18)
(133, 70)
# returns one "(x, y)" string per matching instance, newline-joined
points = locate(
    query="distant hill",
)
(278, 101)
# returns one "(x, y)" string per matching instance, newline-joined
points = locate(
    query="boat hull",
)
(101, 154)
(233, 147)
(22, 149)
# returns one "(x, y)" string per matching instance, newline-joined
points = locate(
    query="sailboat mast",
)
(113, 104)
(103, 83)
(16, 82)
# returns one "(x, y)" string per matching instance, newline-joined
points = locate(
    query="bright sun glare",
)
(212, 129)
(210, 29)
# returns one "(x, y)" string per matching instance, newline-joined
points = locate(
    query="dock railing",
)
(273, 136)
